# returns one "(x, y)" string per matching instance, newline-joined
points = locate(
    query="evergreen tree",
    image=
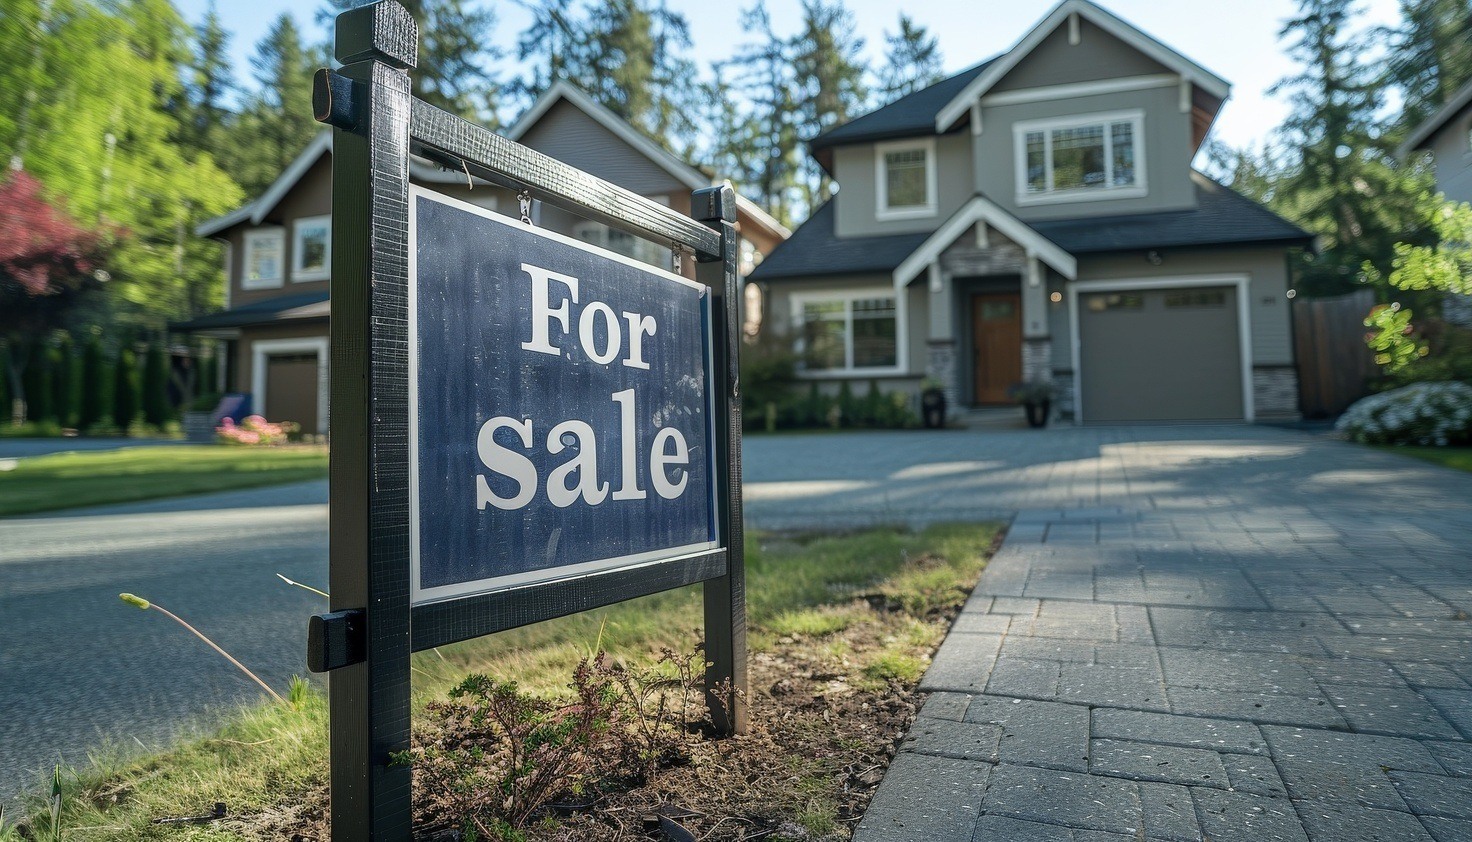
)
(637, 68)
(912, 60)
(454, 47)
(829, 69)
(209, 85)
(36, 381)
(734, 133)
(63, 383)
(5, 393)
(553, 47)
(1430, 54)
(125, 390)
(90, 411)
(764, 74)
(277, 123)
(156, 408)
(1340, 179)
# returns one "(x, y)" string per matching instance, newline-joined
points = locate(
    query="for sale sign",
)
(560, 409)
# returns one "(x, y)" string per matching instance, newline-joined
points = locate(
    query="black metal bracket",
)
(335, 100)
(337, 640)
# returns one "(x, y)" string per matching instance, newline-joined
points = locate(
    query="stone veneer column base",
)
(1037, 360)
(1275, 392)
(1063, 394)
(940, 365)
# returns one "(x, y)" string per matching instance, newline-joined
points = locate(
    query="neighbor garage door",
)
(1160, 355)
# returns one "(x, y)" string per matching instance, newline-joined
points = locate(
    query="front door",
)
(996, 336)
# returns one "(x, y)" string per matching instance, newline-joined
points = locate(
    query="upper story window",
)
(1096, 156)
(263, 266)
(311, 249)
(624, 243)
(905, 179)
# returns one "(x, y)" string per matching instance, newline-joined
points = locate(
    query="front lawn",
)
(1452, 457)
(68, 480)
(842, 626)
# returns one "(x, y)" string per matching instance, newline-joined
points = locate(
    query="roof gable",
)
(1421, 136)
(960, 105)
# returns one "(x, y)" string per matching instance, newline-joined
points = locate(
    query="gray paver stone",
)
(964, 740)
(962, 663)
(925, 797)
(1386, 710)
(1448, 830)
(1242, 816)
(1435, 795)
(1080, 801)
(1455, 705)
(1151, 762)
(1169, 813)
(1455, 757)
(1257, 775)
(1188, 731)
(945, 706)
(1329, 821)
(1002, 829)
(1036, 733)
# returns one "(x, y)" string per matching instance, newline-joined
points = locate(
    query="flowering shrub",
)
(254, 430)
(1422, 413)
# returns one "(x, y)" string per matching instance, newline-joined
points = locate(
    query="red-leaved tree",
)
(46, 262)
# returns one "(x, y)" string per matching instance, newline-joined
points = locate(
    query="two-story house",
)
(1447, 135)
(1036, 218)
(278, 248)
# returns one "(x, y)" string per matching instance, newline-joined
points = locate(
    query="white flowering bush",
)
(1422, 413)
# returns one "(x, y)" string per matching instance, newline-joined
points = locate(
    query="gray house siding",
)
(854, 169)
(1097, 55)
(1167, 152)
(1453, 158)
(570, 136)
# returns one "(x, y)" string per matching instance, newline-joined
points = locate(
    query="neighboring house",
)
(278, 248)
(1447, 135)
(1036, 218)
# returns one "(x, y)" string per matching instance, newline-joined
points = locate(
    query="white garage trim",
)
(261, 350)
(1244, 325)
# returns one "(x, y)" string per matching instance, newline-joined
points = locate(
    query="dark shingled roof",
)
(1222, 218)
(260, 312)
(907, 116)
(813, 250)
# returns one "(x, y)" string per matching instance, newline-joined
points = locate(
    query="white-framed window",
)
(905, 179)
(624, 243)
(1092, 156)
(854, 332)
(262, 268)
(311, 249)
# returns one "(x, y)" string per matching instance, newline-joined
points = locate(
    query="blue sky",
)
(1237, 42)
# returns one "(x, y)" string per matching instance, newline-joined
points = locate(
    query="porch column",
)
(940, 347)
(1037, 343)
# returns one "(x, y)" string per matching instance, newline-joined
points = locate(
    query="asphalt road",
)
(82, 673)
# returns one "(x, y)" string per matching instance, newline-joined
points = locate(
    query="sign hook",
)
(525, 198)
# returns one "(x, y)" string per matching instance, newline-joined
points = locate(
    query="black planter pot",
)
(933, 409)
(1037, 413)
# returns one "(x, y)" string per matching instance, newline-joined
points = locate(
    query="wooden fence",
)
(1334, 363)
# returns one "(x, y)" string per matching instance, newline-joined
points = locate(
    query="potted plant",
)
(932, 403)
(1036, 397)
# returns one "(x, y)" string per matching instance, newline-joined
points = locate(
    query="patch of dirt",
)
(821, 736)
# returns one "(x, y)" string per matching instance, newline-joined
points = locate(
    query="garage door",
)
(292, 388)
(1160, 355)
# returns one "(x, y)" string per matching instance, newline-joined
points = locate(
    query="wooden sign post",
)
(523, 426)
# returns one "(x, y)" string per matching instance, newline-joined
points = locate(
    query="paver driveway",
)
(1219, 633)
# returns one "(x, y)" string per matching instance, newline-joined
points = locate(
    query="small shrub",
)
(156, 408)
(254, 431)
(1423, 413)
(90, 411)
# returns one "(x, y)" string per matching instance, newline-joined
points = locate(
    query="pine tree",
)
(454, 48)
(828, 64)
(635, 65)
(764, 74)
(1430, 54)
(124, 390)
(1340, 179)
(209, 84)
(553, 47)
(156, 409)
(276, 123)
(912, 60)
(91, 410)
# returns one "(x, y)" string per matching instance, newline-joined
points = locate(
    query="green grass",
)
(67, 480)
(268, 756)
(1452, 457)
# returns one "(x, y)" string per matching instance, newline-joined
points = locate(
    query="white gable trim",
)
(683, 172)
(1190, 70)
(1421, 135)
(983, 210)
(290, 176)
(1078, 89)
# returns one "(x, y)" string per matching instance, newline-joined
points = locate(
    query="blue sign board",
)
(560, 415)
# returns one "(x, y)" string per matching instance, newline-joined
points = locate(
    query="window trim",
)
(1020, 131)
(882, 211)
(251, 238)
(798, 302)
(298, 274)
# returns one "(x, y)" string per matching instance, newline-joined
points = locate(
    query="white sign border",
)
(419, 595)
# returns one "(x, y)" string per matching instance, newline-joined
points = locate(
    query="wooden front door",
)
(996, 337)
